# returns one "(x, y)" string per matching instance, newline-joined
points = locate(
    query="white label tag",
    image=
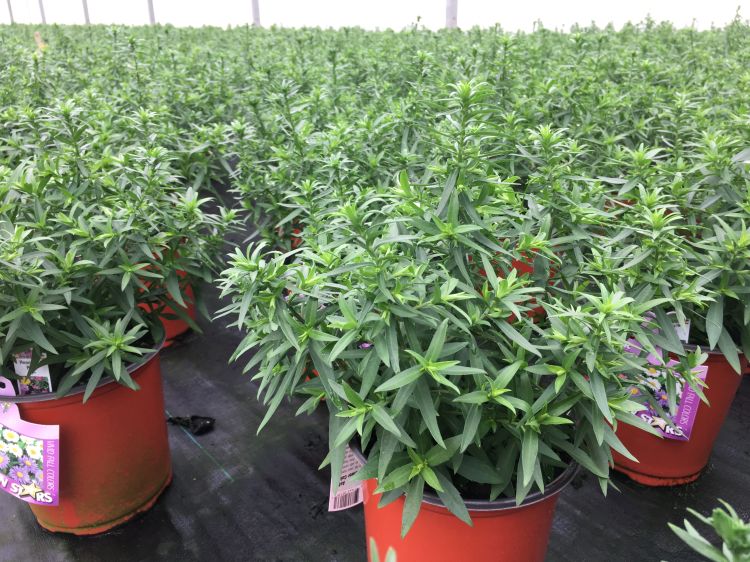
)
(350, 492)
(683, 331)
(35, 383)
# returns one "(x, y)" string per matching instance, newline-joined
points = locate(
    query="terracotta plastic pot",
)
(174, 327)
(523, 266)
(295, 239)
(669, 462)
(114, 452)
(501, 530)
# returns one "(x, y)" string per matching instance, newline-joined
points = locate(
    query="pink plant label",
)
(350, 492)
(687, 402)
(37, 382)
(29, 454)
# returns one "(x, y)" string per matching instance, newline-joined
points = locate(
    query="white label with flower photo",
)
(37, 382)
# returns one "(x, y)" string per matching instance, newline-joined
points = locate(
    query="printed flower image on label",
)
(29, 455)
(31, 383)
(350, 492)
(687, 402)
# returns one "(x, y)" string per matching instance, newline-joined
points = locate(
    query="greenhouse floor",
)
(241, 496)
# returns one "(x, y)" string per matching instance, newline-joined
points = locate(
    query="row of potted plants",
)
(479, 349)
(488, 302)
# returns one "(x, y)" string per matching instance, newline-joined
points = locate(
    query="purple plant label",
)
(29, 455)
(350, 492)
(37, 382)
(687, 402)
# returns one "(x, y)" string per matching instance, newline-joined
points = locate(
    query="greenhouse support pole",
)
(256, 13)
(41, 11)
(10, 11)
(451, 13)
(86, 11)
(151, 17)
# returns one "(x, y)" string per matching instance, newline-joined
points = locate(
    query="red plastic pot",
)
(523, 266)
(295, 238)
(174, 327)
(501, 530)
(114, 452)
(668, 462)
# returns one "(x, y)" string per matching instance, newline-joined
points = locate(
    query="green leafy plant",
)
(460, 231)
(419, 308)
(92, 251)
(730, 528)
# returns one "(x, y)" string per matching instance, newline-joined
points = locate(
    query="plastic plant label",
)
(29, 454)
(683, 331)
(31, 383)
(687, 402)
(350, 492)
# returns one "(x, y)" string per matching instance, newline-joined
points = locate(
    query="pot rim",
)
(80, 389)
(504, 504)
(704, 349)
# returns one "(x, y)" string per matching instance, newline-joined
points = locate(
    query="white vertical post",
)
(86, 12)
(41, 11)
(256, 14)
(10, 11)
(451, 13)
(151, 17)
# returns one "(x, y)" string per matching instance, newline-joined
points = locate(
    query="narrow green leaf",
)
(599, 391)
(471, 424)
(342, 344)
(529, 452)
(413, 503)
(514, 335)
(423, 397)
(384, 419)
(173, 286)
(715, 321)
(402, 379)
(729, 349)
(452, 498)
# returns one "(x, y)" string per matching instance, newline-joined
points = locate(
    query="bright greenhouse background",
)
(372, 14)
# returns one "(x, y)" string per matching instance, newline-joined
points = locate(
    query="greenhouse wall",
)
(382, 14)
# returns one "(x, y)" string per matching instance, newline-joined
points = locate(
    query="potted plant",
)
(451, 404)
(87, 269)
(469, 414)
(694, 250)
(92, 150)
